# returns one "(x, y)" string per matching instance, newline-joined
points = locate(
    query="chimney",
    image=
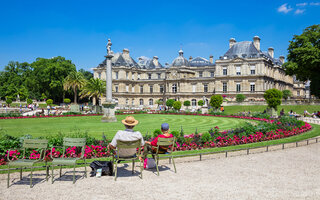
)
(211, 59)
(256, 42)
(190, 58)
(155, 60)
(232, 41)
(281, 59)
(271, 52)
(125, 53)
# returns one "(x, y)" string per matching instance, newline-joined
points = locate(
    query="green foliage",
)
(177, 105)
(86, 74)
(273, 98)
(260, 115)
(75, 81)
(43, 97)
(7, 142)
(175, 133)
(286, 94)
(49, 102)
(240, 98)
(156, 132)
(304, 57)
(29, 101)
(8, 101)
(94, 88)
(187, 103)
(159, 102)
(170, 102)
(216, 101)
(206, 137)
(200, 103)
(67, 100)
(57, 139)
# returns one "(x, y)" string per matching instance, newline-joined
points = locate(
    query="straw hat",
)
(130, 121)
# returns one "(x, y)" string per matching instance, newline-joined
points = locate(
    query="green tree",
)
(49, 75)
(286, 94)
(87, 75)
(8, 101)
(200, 103)
(240, 98)
(49, 102)
(75, 81)
(273, 98)
(177, 105)
(66, 100)
(170, 102)
(94, 88)
(216, 101)
(29, 101)
(187, 103)
(303, 58)
(159, 102)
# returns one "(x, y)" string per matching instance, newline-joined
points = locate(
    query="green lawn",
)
(296, 108)
(93, 125)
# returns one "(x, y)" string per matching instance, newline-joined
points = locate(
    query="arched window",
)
(194, 102)
(151, 102)
(141, 102)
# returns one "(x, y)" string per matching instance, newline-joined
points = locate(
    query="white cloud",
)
(299, 11)
(285, 8)
(315, 4)
(302, 4)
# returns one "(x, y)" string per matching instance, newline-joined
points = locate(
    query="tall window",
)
(252, 87)
(212, 74)
(141, 102)
(150, 102)
(127, 88)
(149, 76)
(127, 101)
(141, 89)
(117, 75)
(99, 75)
(159, 76)
(174, 88)
(139, 76)
(224, 71)
(205, 88)
(252, 69)
(200, 74)
(194, 102)
(132, 102)
(238, 70)
(132, 89)
(116, 88)
(127, 75)
(224, 87)
(161, 89)
(298, 93)
(151, 88)
(238, 87)
(194, 88)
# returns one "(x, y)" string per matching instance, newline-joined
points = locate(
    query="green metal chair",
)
(164, 143)
(34, 144)
(70, 142)
(121, 145)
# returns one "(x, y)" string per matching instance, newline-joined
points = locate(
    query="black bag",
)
(106, 166)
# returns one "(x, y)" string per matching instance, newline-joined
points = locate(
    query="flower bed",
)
(267, 129)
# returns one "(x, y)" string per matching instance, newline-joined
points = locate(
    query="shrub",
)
(175, 133)
(29, 101)
(49, 102)
(200, 103)
(9, 101)
(273, 98)
(169, 103)
(156, 132)
(177, 105)
(240, 98)
(206, 137)
(216, 101)
(67, 100)
(286, 94)
(187, 103)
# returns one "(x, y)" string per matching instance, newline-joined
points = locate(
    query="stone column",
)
(109, 104)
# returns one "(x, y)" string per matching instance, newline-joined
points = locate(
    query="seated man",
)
(127, 135)
(149, 147)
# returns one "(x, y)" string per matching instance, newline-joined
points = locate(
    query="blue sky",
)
(78, 30)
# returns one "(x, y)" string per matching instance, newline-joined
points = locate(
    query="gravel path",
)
(284, 174)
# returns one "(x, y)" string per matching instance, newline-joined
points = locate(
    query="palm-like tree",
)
(94, 88)
(75, 81)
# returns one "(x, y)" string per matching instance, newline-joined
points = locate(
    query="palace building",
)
(243, 69)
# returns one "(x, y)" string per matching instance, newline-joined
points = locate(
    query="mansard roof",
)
(148, 63)
(120, 60)
(244, 49)
(200, 62)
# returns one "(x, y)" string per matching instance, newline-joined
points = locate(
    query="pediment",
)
(238, 60)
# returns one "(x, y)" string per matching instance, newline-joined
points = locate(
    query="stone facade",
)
(244, 69)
